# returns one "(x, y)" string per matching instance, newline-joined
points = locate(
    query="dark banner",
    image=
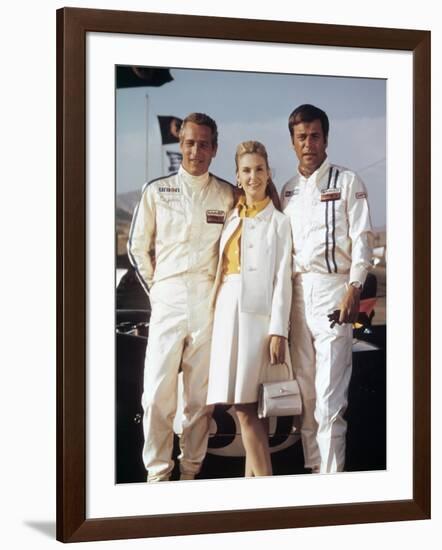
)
(131, 77)
(169, 128)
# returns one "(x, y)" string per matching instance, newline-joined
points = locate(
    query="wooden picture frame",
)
(72, 27)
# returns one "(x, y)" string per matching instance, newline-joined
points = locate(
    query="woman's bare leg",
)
(249, 471)
(255, 440)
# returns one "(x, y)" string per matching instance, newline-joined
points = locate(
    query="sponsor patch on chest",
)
(291, 193)
(330, 195)
(215, 216)
(361, 195)
(172, 190)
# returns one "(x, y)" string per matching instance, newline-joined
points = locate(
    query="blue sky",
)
(256, 106)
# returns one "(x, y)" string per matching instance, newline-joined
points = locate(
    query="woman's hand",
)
(277, 349)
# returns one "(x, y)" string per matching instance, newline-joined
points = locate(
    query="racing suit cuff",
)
(357, 275)
(276, 329)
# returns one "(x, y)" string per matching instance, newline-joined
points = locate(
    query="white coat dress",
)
(250, 306)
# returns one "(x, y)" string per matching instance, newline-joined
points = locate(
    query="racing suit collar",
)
(197, 181)
(318, 173)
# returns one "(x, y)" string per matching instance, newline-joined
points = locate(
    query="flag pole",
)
(146, 168)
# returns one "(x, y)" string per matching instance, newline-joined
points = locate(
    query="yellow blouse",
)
(232, 254)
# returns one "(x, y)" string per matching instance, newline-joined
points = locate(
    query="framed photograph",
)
(254, 105)
(125, 80)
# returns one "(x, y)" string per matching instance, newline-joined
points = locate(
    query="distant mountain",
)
(126, 202)
(380, 236)
(122, 215)
(124, 208)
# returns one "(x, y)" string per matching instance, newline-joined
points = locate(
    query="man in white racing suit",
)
(332, 240)
(173, 245)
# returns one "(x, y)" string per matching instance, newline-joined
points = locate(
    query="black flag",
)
(169, 127)
(130, 77)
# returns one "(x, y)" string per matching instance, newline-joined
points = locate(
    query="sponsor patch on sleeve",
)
(361, 195)
(215, 216)
(291, 193)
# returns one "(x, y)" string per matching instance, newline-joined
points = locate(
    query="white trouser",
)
(322, 360)
(179, 337)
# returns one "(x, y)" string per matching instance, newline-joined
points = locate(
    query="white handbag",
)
(281, 397)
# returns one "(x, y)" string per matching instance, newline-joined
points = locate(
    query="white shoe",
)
(156, 479)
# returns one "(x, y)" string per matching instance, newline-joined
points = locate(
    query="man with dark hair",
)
(332, 239)
(173, 244)
(309, 113)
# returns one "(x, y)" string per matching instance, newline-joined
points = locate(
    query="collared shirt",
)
(177, 225)
(232, 256)
(330, 221)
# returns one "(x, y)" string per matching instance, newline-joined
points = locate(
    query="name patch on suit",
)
(361, 195)
(330, 195)
(291, 193)
(215, 216)
(169, 189)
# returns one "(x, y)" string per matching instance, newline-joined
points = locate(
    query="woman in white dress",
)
(252, 297)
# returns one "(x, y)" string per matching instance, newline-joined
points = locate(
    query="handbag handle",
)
(275, 369)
